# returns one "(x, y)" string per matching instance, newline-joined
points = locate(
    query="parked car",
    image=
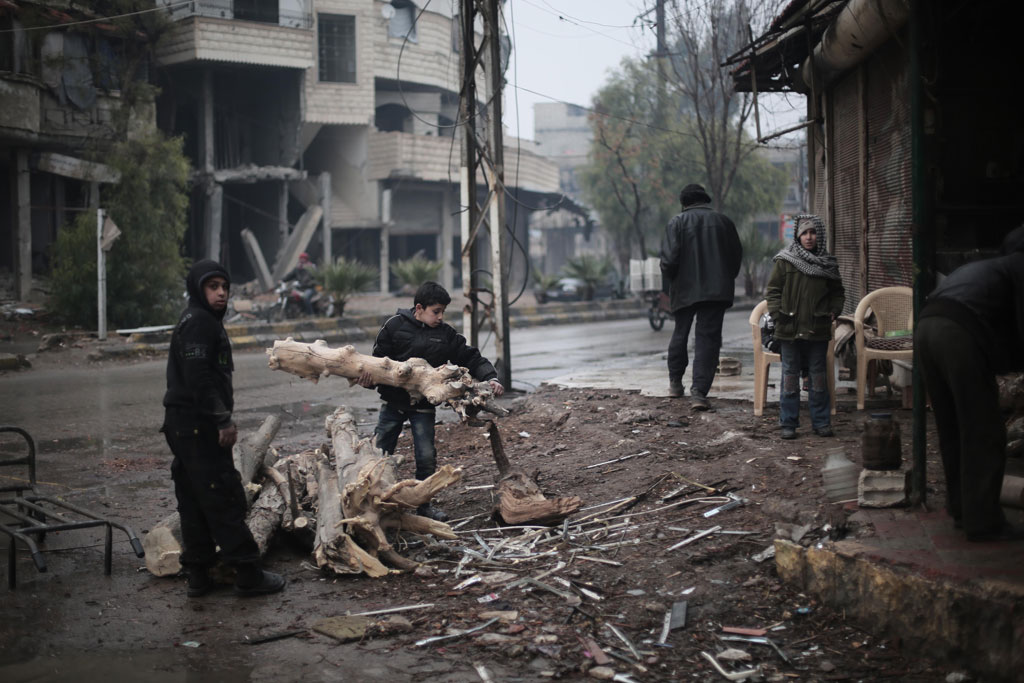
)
(575, 289)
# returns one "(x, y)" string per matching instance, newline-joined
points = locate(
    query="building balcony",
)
(216, 31)
(437, 159)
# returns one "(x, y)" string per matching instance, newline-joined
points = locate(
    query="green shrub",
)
(416, 270)
(145, 268)
(593, 270)
(345, 277)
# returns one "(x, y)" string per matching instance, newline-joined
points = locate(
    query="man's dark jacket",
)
(986, 298)
(403, 337)
(199, 364)
(700, 257)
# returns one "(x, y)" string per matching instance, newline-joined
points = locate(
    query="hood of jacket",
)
(200, 272)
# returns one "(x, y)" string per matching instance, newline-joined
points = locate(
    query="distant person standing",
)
(971, 330)
(700, 259)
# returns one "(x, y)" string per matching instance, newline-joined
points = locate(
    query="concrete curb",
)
(975, 624)
(362, 326)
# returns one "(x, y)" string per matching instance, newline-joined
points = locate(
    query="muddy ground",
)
(618, 580)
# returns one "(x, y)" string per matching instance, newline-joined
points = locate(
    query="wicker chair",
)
(893, 337)
(763, 361)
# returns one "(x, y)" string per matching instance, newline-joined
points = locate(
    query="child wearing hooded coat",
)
(805, 294)
(200, 433)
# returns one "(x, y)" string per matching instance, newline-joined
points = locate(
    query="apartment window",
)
(256, 10)
(337, 48)
(402, 23)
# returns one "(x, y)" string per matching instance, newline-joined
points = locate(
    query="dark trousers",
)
(707, 344)
(812, 355)
(211, 501)
(972, 436)
(389, 427)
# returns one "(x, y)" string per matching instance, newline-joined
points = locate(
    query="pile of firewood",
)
(343, 501)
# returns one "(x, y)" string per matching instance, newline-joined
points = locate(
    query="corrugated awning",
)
(774, 58)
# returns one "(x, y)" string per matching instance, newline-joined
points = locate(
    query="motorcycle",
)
(659, 311)
(289, 302)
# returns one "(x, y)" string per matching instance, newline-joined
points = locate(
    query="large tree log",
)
(163, 542)
(445, 384)
(520, 500)
(361, 497)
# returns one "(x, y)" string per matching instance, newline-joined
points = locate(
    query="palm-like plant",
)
(343, 278)
(593, 270)
(416, 270)
(542, 282)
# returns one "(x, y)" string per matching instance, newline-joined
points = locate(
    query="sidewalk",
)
(365, 314)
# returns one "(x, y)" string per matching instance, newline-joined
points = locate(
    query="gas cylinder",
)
(880, 445)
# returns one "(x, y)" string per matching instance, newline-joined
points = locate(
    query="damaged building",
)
(61, 87)
(331, 127)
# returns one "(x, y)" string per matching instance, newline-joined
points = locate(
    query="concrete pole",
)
(326, 240)
(447, 272)
(467, 173)
(214, 217)
(499, 267)
(385, 240)
(282, 213)
(101, 279)
(22, 232)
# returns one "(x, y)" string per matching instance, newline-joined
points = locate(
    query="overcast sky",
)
(564, 49)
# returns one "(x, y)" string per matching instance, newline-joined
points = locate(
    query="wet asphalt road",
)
(96, 428)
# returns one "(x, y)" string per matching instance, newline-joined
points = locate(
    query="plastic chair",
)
(763, 361)
(894, 319)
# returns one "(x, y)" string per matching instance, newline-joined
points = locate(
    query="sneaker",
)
(429, 511)
(787, 432)
(265, 583)
(824, 431)
(199, 583)
(675, 388)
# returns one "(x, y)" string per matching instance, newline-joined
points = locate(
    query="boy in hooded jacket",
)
(200, 433)
(805, 294)
(420, 332)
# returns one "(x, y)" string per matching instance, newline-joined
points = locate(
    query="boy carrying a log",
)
(200, 433)
(420, 332)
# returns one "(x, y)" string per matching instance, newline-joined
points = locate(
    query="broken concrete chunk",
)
(602, 673)
(882, 488)
(343, 629)
(733, 655)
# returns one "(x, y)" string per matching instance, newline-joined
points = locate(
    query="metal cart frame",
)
(38, 515)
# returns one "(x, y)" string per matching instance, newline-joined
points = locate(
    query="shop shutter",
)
(889, 197)
(846, 193)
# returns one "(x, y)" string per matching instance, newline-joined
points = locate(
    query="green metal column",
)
(923, 237)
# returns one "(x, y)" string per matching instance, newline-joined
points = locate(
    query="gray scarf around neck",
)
(817, 263)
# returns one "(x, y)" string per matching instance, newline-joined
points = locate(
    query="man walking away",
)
(700, 259)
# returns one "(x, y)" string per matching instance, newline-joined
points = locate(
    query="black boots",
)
(199, 582)
(428, 510)
(252, 580)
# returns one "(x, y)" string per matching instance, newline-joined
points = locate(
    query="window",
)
(402, 23)
(337, 48)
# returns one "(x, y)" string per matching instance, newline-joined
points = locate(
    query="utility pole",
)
(487, 157)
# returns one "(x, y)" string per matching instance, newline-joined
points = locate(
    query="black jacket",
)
(987, 299)
(700, 257)
(403, 337)
(199, 364)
